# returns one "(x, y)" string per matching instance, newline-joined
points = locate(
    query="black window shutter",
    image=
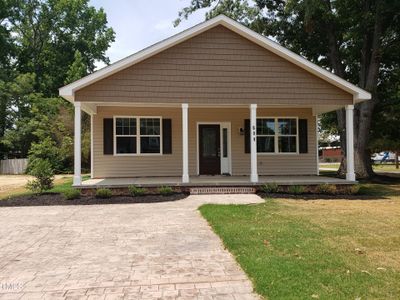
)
(108, 136)
(167, 136)
(247, 136)
(303, 136)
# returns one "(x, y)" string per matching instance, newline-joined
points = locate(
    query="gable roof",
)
(359, 94)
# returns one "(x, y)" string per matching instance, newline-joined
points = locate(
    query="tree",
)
(385, 133)
(354, 39)
(7, 51)
(48, 34)
(45, 44)
(17, 97)
(77, 69)
(44, 176)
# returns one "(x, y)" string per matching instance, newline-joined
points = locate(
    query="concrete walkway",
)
(129, 251)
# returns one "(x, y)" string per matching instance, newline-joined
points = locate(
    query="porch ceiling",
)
(91, 107)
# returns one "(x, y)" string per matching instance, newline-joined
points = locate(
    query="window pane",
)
(266, 126)
(287, 126)
(210, 141)
(287, 144)
(150, 126)
(149, 145)
(265, 144)
(126, 145)
(125, 126)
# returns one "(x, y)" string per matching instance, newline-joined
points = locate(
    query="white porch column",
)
(77, 144)
(185, 144)
(317, 142)
(350, 175)
(253, 142)
(91, 146)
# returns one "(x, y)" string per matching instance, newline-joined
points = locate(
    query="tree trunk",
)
(396, 159)
(368, 80)
(362, 158)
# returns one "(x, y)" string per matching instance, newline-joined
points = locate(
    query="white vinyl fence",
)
(13, 166)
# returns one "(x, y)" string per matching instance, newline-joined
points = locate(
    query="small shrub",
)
(72, 194)
(165, 190)
(45, 149)
(354, 189)
(296, 189)
(136, 191)
(328, 160)
(43, 172)
(270, 188)
(326, 189)
(103, 193)
(34, 186)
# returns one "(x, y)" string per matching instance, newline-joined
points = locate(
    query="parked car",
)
(377, 157)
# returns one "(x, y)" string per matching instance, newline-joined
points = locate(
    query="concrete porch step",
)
(222, 190)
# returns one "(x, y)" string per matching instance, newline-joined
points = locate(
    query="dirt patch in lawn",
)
(15, 184)
(362, 228)
(59, 199)
(9, 182)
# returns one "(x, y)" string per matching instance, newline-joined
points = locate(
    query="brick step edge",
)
(222, 190)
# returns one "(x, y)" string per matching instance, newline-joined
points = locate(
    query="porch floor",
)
(211, 181)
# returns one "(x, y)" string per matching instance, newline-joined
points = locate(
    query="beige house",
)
(216, 99)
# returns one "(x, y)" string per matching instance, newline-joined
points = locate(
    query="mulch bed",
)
(59, 199)
(320, 196)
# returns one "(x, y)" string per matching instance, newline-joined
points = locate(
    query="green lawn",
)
(376, 167)
(326, 249)
(60, 185)
(385, 167)
(333, 166)
(65, 184)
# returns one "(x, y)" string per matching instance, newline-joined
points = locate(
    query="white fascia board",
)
(358, 94)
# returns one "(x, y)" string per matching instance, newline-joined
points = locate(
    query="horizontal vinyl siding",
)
(291, 164)
(217, 66)
(268, 164)
(171, 164)
(136, 166)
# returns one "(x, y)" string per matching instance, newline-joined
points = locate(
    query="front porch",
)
(210, 181)
(180, 156)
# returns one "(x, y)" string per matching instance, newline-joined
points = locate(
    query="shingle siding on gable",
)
(217, 66)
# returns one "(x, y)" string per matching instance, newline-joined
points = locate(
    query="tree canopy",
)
(356, 39)
(45, 44)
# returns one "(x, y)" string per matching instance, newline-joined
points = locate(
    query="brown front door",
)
(209, 152)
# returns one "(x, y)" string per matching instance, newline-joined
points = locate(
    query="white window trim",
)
(138, 136)
(277, 135)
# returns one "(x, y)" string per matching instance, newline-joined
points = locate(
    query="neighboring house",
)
(330, 154)
(217, 98)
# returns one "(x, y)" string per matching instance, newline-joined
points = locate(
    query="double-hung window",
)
(287, 135)
(125, 135)
(150, 135)
(137, 135)
(277, 135)
(266, 135)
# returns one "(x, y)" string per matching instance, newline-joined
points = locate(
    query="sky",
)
(141, 23)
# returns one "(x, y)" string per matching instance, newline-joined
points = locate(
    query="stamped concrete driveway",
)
(128, 251)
